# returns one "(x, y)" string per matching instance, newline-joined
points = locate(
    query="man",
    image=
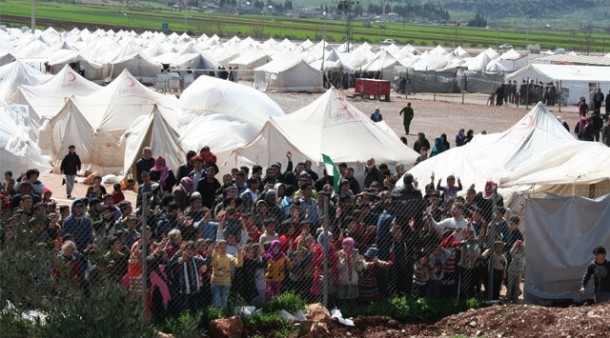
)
(421, 142)
(145, 163)
(79, 226)
(608, 105)
(408, 191)
(207, 186)
(598, 98)
(376, 116)
(8, 186)
(457, 221)
(70, 165)
(407, 117)
(372, 174)
(599, 268)
(606, 134)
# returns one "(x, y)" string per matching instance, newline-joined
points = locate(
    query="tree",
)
(478, 21)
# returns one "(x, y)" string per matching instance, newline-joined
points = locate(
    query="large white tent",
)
(18, 151)
(17, 73)
(109, 112)
(288, 75)
(329, 125)
(46, 99)
(214, 108)
(577, 80)
(492, 156)
(576, 169)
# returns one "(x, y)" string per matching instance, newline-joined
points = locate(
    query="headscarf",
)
(439, 147)
(272, 256)
(186, 183)
(162, 168)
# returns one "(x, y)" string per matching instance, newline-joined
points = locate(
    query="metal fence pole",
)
(326, 249)
(434, 86)
(144, 243)
(492, 242)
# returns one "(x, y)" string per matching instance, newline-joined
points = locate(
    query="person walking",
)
(599, 269)
(408, 114)
(70, 165)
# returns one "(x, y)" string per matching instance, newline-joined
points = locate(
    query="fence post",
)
(492, 242)
(144, 243)
(326, 249)
(434, 86)
(465, 88)
(558, 96)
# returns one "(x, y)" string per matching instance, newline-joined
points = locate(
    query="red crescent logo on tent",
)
(72, 77)
(529, 123)
(131, 82)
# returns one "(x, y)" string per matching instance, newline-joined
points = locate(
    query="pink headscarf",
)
(162, 168)
(270, 255)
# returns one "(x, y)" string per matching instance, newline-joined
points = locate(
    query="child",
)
(245, 276)
(437, 260)
(277, 265)
(259, 276)
(117, 194)
(498, 262)
(368, 280)
(516, 268)
(222, 263)
(349, 267)
(191, 267)
(421, 275)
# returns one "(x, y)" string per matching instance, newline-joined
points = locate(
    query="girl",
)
(117, 194)
(277, 265)
(349, 267)
(516, 268)
(246, 275)
(368, 281)
(222, 263)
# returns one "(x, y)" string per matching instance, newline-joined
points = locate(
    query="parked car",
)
(389, 41)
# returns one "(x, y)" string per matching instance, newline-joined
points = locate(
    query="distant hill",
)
(520, 8)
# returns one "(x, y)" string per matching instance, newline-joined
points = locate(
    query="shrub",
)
(266, 325)
(288, 301)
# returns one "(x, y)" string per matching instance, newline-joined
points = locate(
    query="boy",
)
(599, 268)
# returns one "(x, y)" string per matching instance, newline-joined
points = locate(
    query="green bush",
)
(267, 325)
(288, 301)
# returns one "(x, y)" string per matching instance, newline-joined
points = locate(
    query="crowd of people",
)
(259, 232)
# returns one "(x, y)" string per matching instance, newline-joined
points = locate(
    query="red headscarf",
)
(161, 167)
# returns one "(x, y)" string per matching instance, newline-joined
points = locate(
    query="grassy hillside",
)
(67, 16)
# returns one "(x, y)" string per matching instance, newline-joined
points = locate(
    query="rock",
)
(393, 323)
(473, 323)
(317, 311)
(306, 326)
(231, 327)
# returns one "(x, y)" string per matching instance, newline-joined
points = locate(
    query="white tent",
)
(288, 75)
(214, 108)
(575, 79)
(489, 157)
(575, 169)
(385, 63)
(158, 130)
(109, 112)
(247, 62)
(329, 125)
(18, 151)
(47, 99)
(563, 231)
(17, 73)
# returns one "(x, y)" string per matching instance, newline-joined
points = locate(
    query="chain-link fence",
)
(256, 239)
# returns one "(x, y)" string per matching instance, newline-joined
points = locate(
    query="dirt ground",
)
(495, 321)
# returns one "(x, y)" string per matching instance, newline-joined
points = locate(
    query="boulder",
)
(231, 327)
(317, 312)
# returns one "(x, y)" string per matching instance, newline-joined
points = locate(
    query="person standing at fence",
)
(222, 263)
(599, 269)
(408, 115)
(70, 165)
(516, 268)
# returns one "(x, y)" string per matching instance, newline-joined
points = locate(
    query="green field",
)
(150, 17)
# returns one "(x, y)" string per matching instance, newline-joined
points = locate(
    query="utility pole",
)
(33, 16)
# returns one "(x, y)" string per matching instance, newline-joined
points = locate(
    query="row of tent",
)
(110, 125)
(103, 55)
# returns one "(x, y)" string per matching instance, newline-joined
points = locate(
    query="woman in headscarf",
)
(182, 192)
(439, 147)
(349, 266)
(162, 174)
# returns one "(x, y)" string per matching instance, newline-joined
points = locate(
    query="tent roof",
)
(46, 99)
(330, 125)
(567, 72)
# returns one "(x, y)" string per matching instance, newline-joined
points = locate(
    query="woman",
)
(439, 147)
(162, 174)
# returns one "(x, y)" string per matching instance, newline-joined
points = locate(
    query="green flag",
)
(331, 169)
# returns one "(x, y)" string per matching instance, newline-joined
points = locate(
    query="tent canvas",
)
(565, 171)
(489, 157)
(18, 151)
(288, 75)
(47, 99)
(158, 130)
(563, 232)
(329, 125)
